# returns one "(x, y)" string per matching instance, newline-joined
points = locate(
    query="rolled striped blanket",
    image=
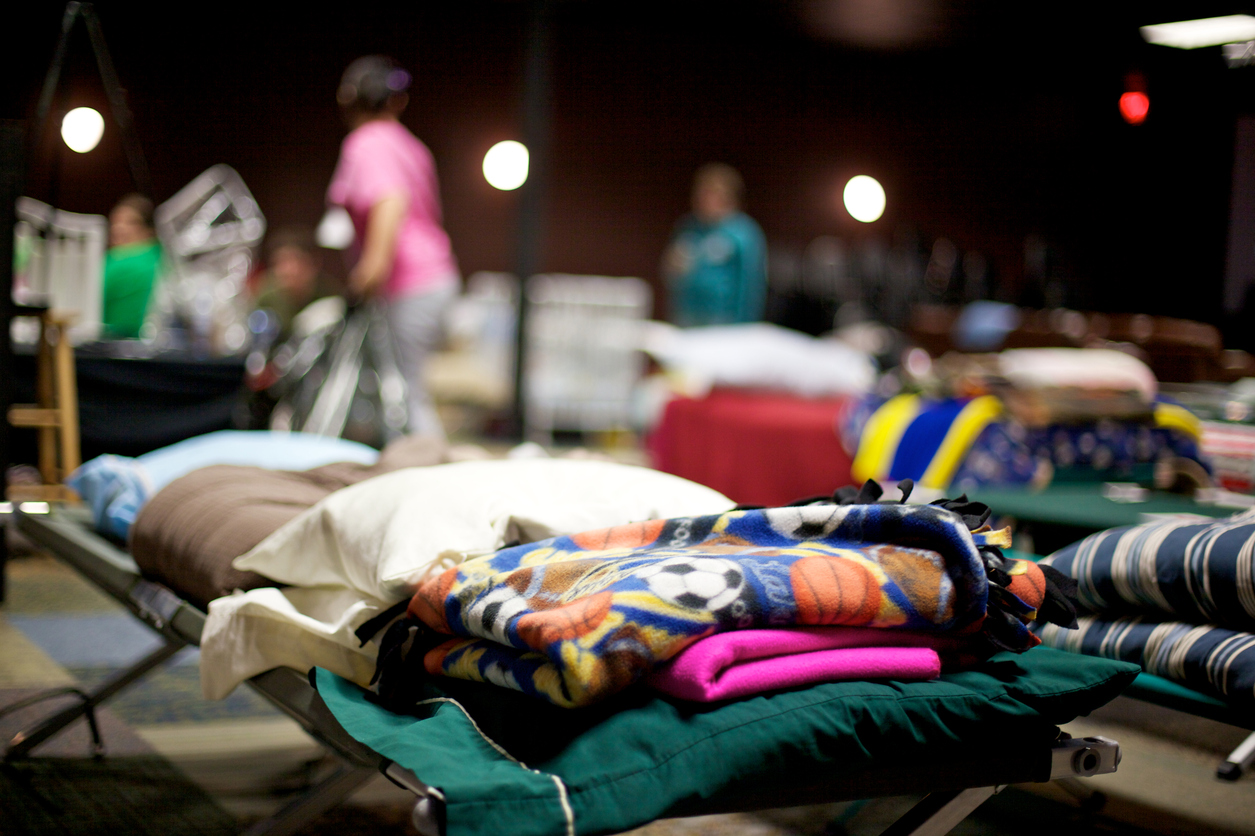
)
(1210, 659)
(1180, 569)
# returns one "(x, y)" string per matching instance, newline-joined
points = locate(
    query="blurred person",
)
(293, 277)
(386, 180)
(716, 264)
(132, 265)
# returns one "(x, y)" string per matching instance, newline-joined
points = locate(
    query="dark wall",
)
(995, 124)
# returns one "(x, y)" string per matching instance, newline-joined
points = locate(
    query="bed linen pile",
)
(365, 547)
(1175, 596)
(575, 619)
(187, 534)
(1019, 417)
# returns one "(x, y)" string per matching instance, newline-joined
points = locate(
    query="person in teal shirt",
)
(131, 267)
(716, 264)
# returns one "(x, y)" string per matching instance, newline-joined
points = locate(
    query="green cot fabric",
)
(1167, 689)
(1084, 506)
(1165, 692)
(130, 273)
(621, 764)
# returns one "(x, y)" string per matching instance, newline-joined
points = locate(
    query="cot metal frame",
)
(953, 790)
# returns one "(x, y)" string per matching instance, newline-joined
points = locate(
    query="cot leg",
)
(314, 802)
(45, 397)
(1238, 762)
(937, 813)
(428, 815)
(24, 741)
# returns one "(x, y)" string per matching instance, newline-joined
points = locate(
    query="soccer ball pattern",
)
(699, 583)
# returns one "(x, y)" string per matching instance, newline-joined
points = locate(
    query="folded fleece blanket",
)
(577, 618)
(1183, 569)
(744, 662)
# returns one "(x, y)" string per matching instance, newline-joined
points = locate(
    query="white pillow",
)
(384, 535)
(1085, 368)
(760, 355)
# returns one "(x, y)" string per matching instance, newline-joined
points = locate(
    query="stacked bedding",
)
(1023, 416)
(364, 548)
(1175, 596)
(572, 579)
(614, 574)
(576, 619)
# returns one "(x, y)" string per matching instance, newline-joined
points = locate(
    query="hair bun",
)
(370, 81)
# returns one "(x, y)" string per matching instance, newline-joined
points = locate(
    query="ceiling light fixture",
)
(864, 198)
(1209, 31)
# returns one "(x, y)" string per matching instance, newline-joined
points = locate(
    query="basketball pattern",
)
(575, 618)
(830, 589)
(1027, 581)
(632, 535)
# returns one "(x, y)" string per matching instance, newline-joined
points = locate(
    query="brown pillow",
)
(187, 535)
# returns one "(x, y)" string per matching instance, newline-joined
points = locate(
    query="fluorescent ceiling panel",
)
(1210, 31)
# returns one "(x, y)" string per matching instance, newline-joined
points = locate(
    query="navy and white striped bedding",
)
(1203, 657)
(1196, 571)
(1175, 596)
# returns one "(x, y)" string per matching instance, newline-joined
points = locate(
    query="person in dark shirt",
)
(293, 277)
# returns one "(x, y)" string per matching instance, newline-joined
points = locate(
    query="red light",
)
(1134, 106)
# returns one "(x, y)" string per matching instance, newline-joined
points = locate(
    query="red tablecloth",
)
(761, 448)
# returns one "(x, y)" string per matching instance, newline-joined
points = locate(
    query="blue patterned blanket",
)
(574, 619)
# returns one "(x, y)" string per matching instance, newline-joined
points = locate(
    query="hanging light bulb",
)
(505, 165)
(82, 129)
(864, 198)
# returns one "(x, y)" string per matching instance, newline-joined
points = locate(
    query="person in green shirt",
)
(131, 267)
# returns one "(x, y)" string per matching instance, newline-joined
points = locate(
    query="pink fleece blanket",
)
(744, 662)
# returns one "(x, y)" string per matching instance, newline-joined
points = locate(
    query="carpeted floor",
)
(134, 794)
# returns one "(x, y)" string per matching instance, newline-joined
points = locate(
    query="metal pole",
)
(51, 79)
(113, 90)
(117, 103)
(12, 170)
(537, 94)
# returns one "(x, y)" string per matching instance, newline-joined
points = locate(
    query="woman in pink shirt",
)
(386, 181)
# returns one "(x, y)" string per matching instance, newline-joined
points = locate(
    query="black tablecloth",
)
(129, 406)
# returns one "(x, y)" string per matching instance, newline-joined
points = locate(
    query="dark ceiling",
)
(988, 122)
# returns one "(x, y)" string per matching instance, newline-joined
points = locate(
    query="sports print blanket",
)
(577, 618)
